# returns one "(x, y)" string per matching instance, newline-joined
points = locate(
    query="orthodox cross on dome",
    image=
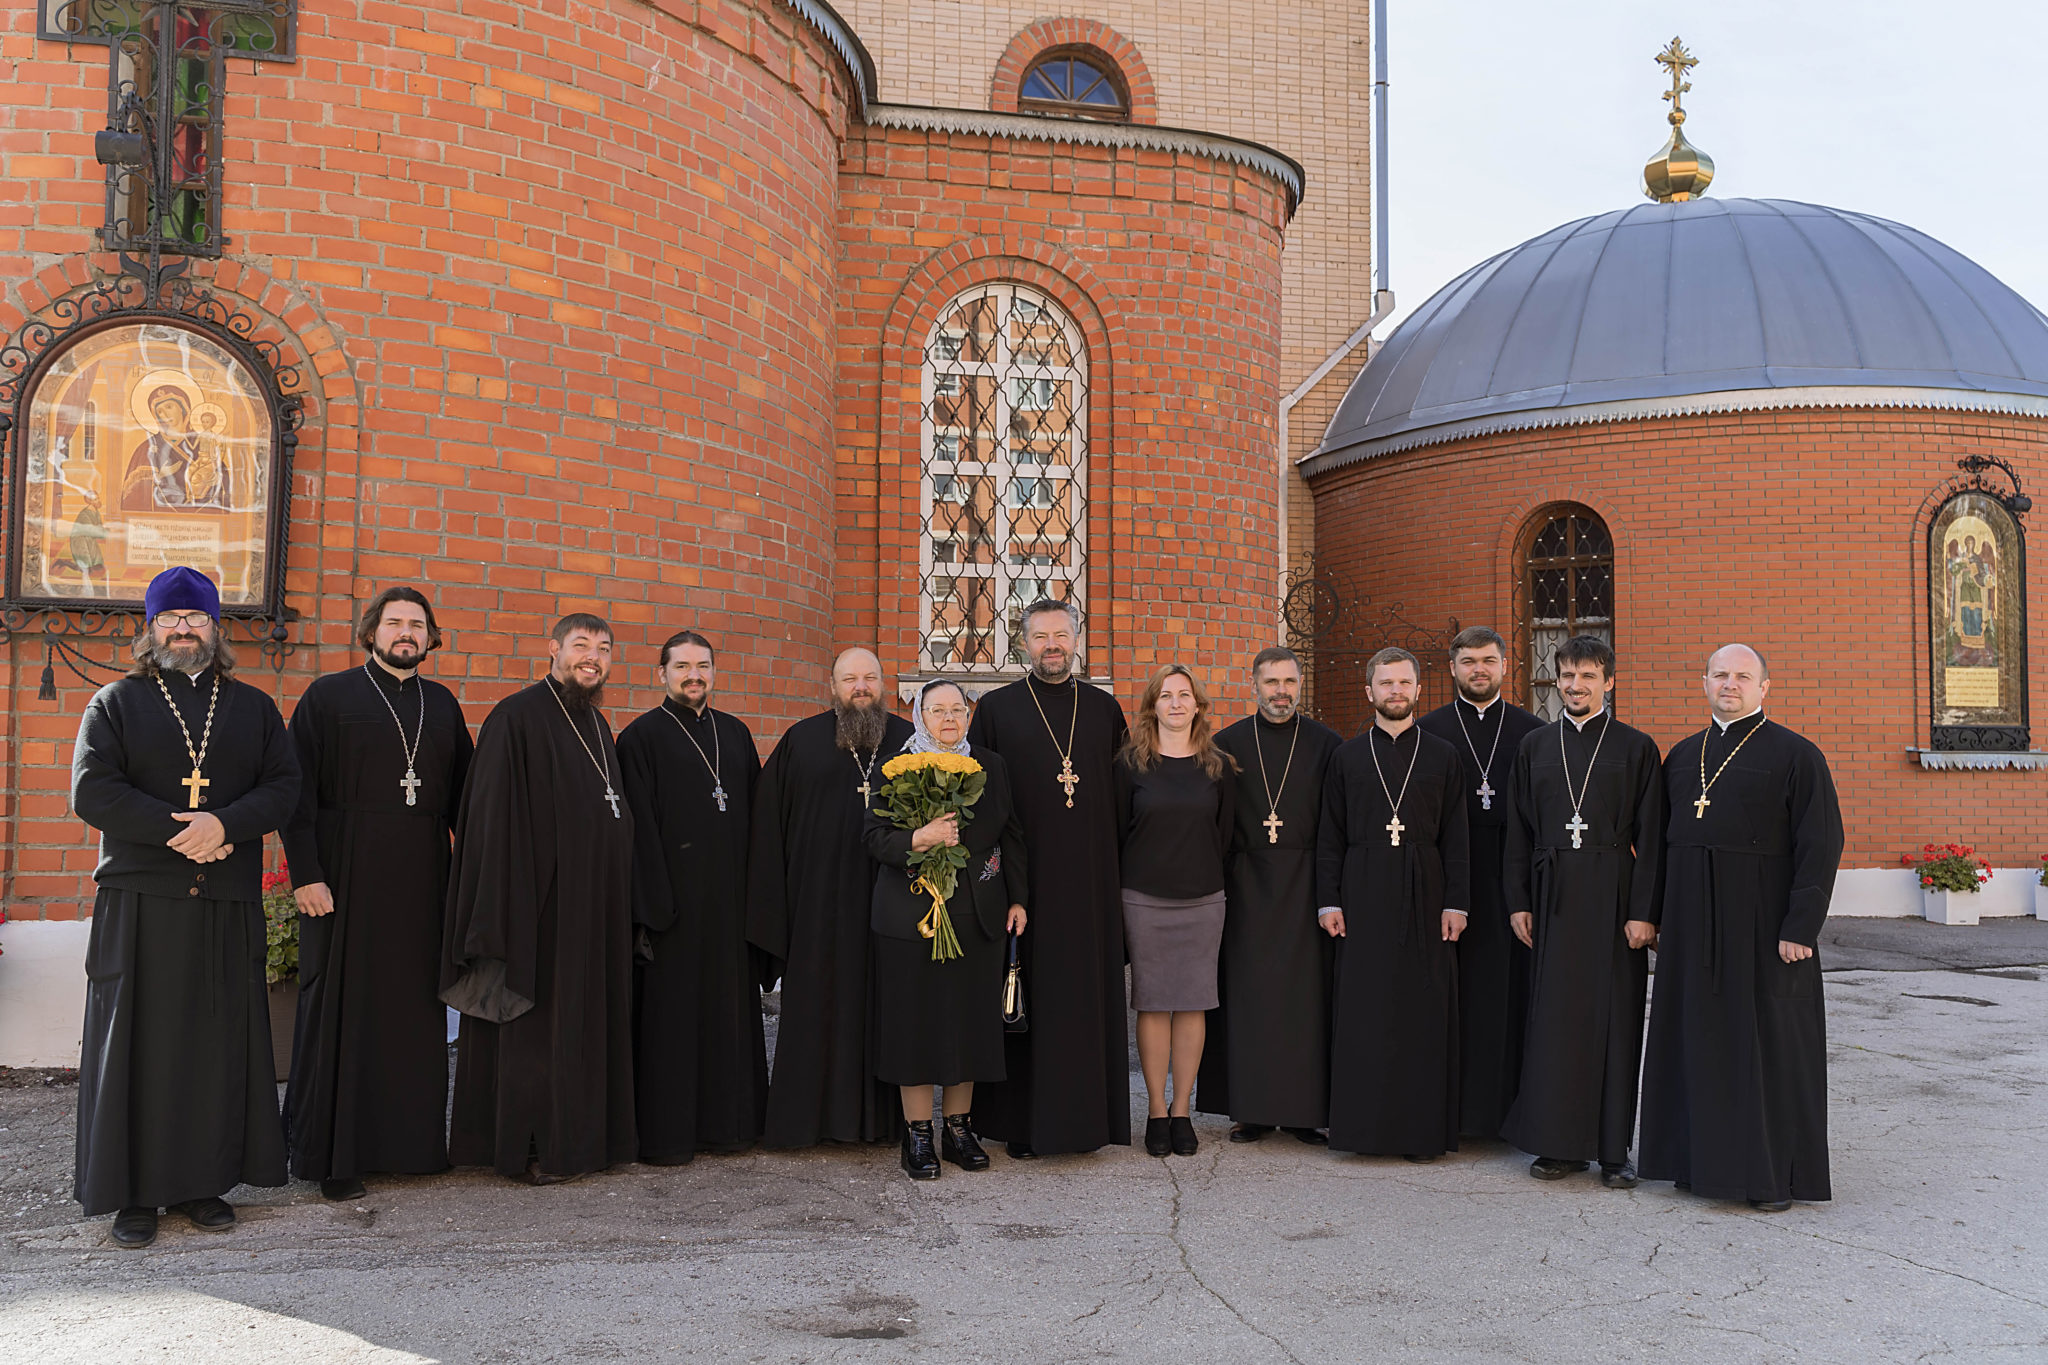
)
(1679, 171)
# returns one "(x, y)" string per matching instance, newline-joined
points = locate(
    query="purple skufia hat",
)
(181, 589)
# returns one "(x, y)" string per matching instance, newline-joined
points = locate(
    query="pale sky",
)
(1509, 117)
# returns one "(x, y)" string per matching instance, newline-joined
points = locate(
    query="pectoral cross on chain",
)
(866, 792)
(1067, 779)
(193, 785)
(612, 797)
(1485, 792)
(1699, 807)
(411, 783)
(1394, 828)
(1578, 827)
(1273, 822)
(718, 795)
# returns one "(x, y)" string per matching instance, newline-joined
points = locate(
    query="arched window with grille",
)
(1075, 82)
(1566, 589)
(1005, 454)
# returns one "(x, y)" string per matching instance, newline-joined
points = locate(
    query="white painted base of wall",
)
(42, 991)
(1895, 892)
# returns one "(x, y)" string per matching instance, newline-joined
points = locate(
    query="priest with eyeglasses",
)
(183, 770)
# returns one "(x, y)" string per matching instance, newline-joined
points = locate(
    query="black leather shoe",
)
(920, 1160)
(1618, 1176)
(342, 1188)
(1420, 1160)
(134, 1229)
(1020, 1151)
(1314, 1137)
(1770, 1205)
(210, 1214)
(1157, 1139)
(958, 1144)
(1554, 1168)
(1249, 1132)
(1181, 1132)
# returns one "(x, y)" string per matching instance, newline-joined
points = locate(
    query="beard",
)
(1278, 713)
(859, 727)
(1479, 698)
(393, 658)
(1397, 709)
(579, 698)
(182, 653)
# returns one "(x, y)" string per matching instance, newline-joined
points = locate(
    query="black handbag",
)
(1014, 1019)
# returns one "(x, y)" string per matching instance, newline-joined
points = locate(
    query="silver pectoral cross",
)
(1394, 828)
(1578, 827)
(612, 797)
(1485, 793)
(718, 795)
(411, 783)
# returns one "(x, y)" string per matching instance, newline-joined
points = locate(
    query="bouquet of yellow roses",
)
(916, 790)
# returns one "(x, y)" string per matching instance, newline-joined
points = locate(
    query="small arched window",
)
(1566, 589)
(1075, 82)
(1005, 453)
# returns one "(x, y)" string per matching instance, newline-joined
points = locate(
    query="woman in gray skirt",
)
(1176, 794)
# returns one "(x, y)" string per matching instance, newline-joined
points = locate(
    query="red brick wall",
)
(1801, 532)
(564, 283)
(1171, 267)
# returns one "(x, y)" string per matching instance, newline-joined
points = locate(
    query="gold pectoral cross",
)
(1699, 807)
(866, 794)
(1273, 822)
(1068, 779)
(193, 785)
(1394, 828)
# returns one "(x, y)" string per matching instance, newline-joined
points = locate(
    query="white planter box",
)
(1950, 907)
(2040, 901)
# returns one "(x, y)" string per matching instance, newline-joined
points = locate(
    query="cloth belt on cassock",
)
(379, 808)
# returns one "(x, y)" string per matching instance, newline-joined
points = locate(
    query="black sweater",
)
(128, 777)
(1177, 823)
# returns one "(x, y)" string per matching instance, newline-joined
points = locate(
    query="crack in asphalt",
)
(1188, 1266)
(1908, 1260)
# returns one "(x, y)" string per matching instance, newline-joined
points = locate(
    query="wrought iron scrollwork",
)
(1334, 630)
(64, 635)
(272, 38)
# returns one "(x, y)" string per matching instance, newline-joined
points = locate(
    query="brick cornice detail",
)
(1070, 31)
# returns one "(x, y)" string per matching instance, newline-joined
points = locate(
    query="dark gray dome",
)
(1764, 302)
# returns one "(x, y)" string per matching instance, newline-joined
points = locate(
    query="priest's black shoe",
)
(134, 1228)
(1314, 1137)
(958, 1144)
(536, 1176)
(211, 1214)
(1420, 1160)
(1020, 1151)
(1181, 1132)
(1618, 1176)
(920, 1159)
(342, 1188)
(1158, 1136)
(1770, 1205)
(1554, 1168)
(1249, 1132)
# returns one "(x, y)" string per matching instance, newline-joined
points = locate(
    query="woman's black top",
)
(1177, 823)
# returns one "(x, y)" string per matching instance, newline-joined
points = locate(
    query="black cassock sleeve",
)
(1816, 826)
(459, 761)
(1332, 837)
(1226, 807)
(768, 858)
(1518, 853)
(269, 804)
(301, 848)
(503, 866)
(1015, 873)
(1646, 885)
(101, 794)
(1126, 799)
(1454, 840)
(654, 905)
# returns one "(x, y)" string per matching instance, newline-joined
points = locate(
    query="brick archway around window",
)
(1069, 32)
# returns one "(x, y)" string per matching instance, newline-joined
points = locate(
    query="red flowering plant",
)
(2044, 871)
(1948, 867)
(280, 927)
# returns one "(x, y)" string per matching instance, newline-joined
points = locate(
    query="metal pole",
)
(1379, 130)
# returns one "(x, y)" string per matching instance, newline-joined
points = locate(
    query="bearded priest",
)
(538, 953)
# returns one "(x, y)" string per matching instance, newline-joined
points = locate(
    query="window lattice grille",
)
(1568, 589)
(1005, 455)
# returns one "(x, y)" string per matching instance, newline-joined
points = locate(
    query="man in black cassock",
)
(1069, 1076)
(1584, 864)
(809, 901)
(539, 936)
(182, 770)
(1493, 967)
(699, 1058)
(1392, 878)
(1268, 1060)
(382, 753)
(1735, 1086)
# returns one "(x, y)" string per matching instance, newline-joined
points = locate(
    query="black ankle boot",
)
(1157, 1139)
(1181, 1133)
(957, 1144)
(919, 1160)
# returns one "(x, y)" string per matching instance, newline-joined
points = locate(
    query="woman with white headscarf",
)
(941, 1023)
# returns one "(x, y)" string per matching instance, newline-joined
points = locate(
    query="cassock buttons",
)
(193, 892)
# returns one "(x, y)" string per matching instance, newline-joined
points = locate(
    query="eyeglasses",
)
(182, 620)
(946, 713)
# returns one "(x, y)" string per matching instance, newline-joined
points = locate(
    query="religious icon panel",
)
(144, 444)
(1977, 611)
